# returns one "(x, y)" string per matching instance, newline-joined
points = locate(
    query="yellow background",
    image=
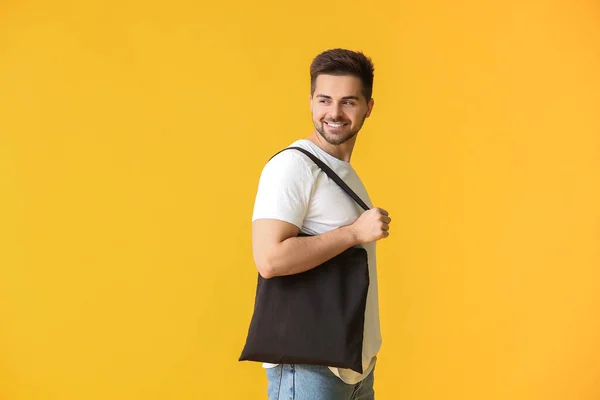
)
(132, 136)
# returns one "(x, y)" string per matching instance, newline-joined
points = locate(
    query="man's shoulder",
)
(290, 158)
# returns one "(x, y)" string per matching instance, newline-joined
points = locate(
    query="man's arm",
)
(278, 251)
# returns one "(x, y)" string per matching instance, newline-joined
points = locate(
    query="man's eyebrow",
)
(343, 98)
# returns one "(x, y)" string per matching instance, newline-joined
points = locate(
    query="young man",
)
(295, 195)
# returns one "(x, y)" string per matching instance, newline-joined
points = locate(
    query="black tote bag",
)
(315, 317)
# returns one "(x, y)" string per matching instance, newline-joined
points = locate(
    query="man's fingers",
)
(382, 211)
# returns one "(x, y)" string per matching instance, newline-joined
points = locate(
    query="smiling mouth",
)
(334, 124)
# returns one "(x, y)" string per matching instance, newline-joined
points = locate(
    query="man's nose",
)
(336, 111)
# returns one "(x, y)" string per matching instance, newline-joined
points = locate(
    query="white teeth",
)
(334, 125)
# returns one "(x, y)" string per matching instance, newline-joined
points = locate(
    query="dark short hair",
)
(343, 62)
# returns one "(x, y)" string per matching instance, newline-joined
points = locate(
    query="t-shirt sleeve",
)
(284, 189)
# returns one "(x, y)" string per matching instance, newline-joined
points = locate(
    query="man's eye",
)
(348, 103)
(323, 101)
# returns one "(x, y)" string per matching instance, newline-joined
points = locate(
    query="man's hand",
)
(372, 225)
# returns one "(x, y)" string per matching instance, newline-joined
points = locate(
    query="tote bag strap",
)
(330, 174)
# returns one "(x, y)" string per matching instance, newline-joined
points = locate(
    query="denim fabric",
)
(311, 382)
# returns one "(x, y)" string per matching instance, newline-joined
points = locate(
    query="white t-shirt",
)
(294, 189)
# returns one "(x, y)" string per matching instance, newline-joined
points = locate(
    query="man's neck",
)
(341, 152)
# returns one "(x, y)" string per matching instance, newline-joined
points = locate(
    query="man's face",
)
(338, 107)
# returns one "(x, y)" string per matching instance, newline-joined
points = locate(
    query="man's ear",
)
(370, 105)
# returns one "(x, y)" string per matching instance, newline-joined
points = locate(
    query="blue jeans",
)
(311, 382)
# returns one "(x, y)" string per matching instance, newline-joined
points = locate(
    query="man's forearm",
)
(299, 254)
